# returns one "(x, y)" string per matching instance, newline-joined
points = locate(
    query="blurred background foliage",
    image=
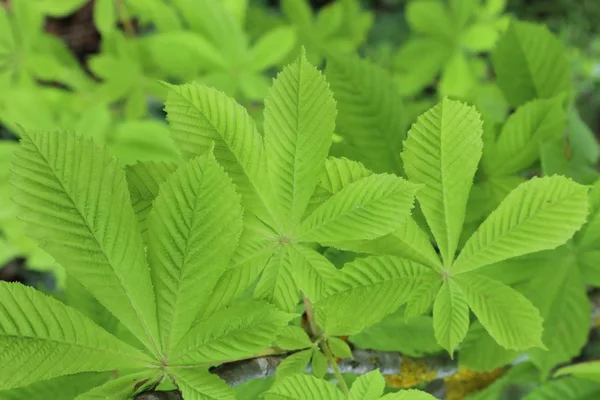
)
(99, 67)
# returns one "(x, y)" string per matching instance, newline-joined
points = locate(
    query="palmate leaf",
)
(199, 384)
(312, 271)
(194, 228)
(144, 180)
(200, 116)
(450, 316)
(300, 387)
(369, 115)
(42, 336)
(299, 120)
(367, 290)
(530, 62)
(518, 144)
(423, 297)
(277, 284)
(74, 198)
(506, 314)
(232, 334)
(442, 152)
(365, 209)
(539, 214)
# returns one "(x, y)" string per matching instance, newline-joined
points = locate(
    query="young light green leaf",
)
(144, 180)
(122, 387)
(450, 316)
(370, 108)
(63, 387)
(339, 348)
(74, 198)
(293, 338)
(294, 364)
(506, 314)
(365, 291)
(539, 214)
(442, 151)
(319, 363)
(42, 336)
(533, 124)
(199, 384)
(231, 334)
(301, 387)
(200, 116)
(277, 284)
(366, 209)
(312, 271)
(589, 235)
(423, 296)
(299, 120)
(272, 48)
(530, 62)
(587, 370)
(369, 386)
(193, 230)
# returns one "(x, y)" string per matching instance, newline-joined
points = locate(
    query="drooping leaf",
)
(370, 117)
(318, 363)
(122, 387)
(366, 209)
(42, 336)
(199, 384)
(442, 151)
(368, 386)
(299, 121)
(294, 364)
(231, 334)
(539, 214)
(506, 314)
(450, 316)
(74, 198)
(300, 387)
(193, 230)
(530, 62)
(365, 291)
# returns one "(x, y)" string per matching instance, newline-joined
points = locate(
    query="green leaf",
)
(480, 352)
(532, 125)
(413, 337)
(299, 121)
(58, 8)
(272, 48)
(450, 316)
(412, 394)
(569, 388)
(370, 117)
(366, 209)
(563, 303)
(301, 387)
(369, 386)
(589, 236)
(312, 271)
(199, 384)
(294, 364)
(144, 140)
(442, 152)
(409, 242)
(339, 348)
(429, 17)
(293, 338)
(74, 198)
(122, 387)
(423, 296)
(105, 16)
(194, 228)
(365, 291)
(319, 363)
(64, 387)
(587, 370)
(144, 180)
(231, 334)
(277, 284)
(200, 116)
(41, 338)
(506, 314)
(530, 62)
(539, 214)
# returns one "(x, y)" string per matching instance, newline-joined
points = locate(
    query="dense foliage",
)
(296, 205)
